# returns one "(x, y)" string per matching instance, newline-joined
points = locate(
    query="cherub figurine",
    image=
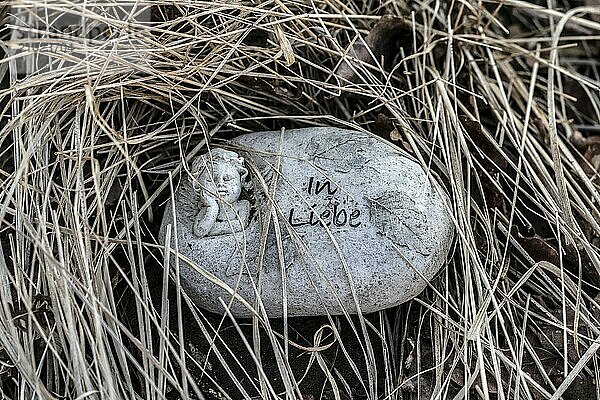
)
(219, 178)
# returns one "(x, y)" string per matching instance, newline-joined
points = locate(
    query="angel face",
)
(225, 182)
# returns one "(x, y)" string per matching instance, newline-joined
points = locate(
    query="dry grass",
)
(500, 98)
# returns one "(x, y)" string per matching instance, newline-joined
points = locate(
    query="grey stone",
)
(316, 220)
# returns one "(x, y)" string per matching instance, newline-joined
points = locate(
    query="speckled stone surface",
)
(316, 220)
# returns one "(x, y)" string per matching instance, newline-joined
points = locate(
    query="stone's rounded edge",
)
(319, 130)
(448, 228)
(195, 284)
(443, 232)
(188, 274)
(167, 219)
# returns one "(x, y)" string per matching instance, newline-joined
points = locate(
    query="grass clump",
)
(500, 99)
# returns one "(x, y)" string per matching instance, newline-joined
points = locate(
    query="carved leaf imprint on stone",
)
(348, 153)
(397, 217)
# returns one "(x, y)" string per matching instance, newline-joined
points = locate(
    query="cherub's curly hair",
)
(201, 164)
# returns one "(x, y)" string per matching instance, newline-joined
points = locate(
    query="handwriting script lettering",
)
(334, 212)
